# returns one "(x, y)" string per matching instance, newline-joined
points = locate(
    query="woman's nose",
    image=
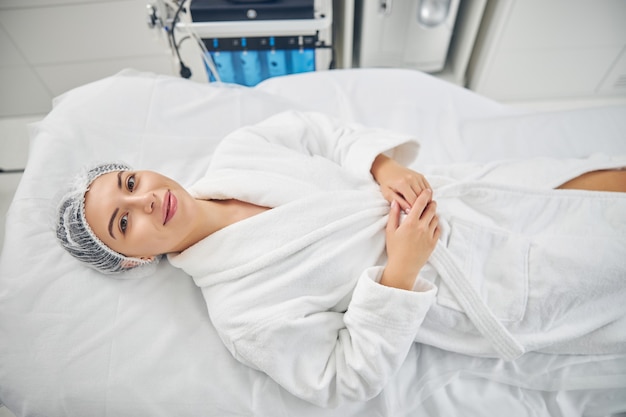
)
(144, 202)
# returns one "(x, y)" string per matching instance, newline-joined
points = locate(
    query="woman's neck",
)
(214, 215)
(227, 212)
(218, 214)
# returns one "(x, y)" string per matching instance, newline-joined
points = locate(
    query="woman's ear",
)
(130, 264)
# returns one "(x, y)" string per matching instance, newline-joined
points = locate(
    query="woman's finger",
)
(433, 224)
(392, 195)
(394, 216)
(407, 193)
(429, 212)
(437, 232)
(421, 203)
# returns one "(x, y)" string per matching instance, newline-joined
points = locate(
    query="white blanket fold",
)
(535, 258)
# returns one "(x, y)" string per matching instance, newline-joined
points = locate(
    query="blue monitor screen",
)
(250, 67)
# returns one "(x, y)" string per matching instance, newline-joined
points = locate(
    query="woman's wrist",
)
(379, 162)
(397, 279)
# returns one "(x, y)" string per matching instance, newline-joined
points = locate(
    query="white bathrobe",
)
(293, 291)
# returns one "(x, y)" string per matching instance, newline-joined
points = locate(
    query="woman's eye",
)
(124, 223)
(130, 183)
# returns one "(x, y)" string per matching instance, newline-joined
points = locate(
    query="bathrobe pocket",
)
(495, 262)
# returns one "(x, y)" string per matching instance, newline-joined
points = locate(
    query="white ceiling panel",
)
(63, 77)
(21, 4)
(22, 93)
(80, 32)
(10, 55)
(14, 141)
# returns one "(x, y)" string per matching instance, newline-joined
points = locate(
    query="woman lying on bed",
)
(322, 259)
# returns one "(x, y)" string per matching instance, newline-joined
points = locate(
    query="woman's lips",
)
(169, 206)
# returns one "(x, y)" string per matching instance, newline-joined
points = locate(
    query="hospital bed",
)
(77, 343)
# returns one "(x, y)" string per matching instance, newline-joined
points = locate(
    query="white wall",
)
(50, 46)
(557, 49)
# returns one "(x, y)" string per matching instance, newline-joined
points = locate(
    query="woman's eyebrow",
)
(112, 220)
(111, 223)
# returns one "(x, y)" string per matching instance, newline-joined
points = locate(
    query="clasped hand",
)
(410, 242)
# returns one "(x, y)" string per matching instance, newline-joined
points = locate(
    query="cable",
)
(185, 72)
(11, 171)
(180, 42)
(206, 56)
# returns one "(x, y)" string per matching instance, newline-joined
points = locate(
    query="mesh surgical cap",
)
(76, 236)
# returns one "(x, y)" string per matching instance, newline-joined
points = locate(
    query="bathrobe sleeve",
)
(308, 310)
(354, 147)
(330, 357)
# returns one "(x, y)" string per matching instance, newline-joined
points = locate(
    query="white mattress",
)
(76, 343)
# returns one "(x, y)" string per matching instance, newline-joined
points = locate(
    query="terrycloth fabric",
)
(293, 291)
(547, 263)
(290, 290)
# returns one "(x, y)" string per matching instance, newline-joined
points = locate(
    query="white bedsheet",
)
(75, 343)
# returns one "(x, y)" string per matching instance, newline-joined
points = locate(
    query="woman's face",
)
(141, 213)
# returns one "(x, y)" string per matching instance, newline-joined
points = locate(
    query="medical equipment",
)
(76, 343)
(405, 33)
(248, 42)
